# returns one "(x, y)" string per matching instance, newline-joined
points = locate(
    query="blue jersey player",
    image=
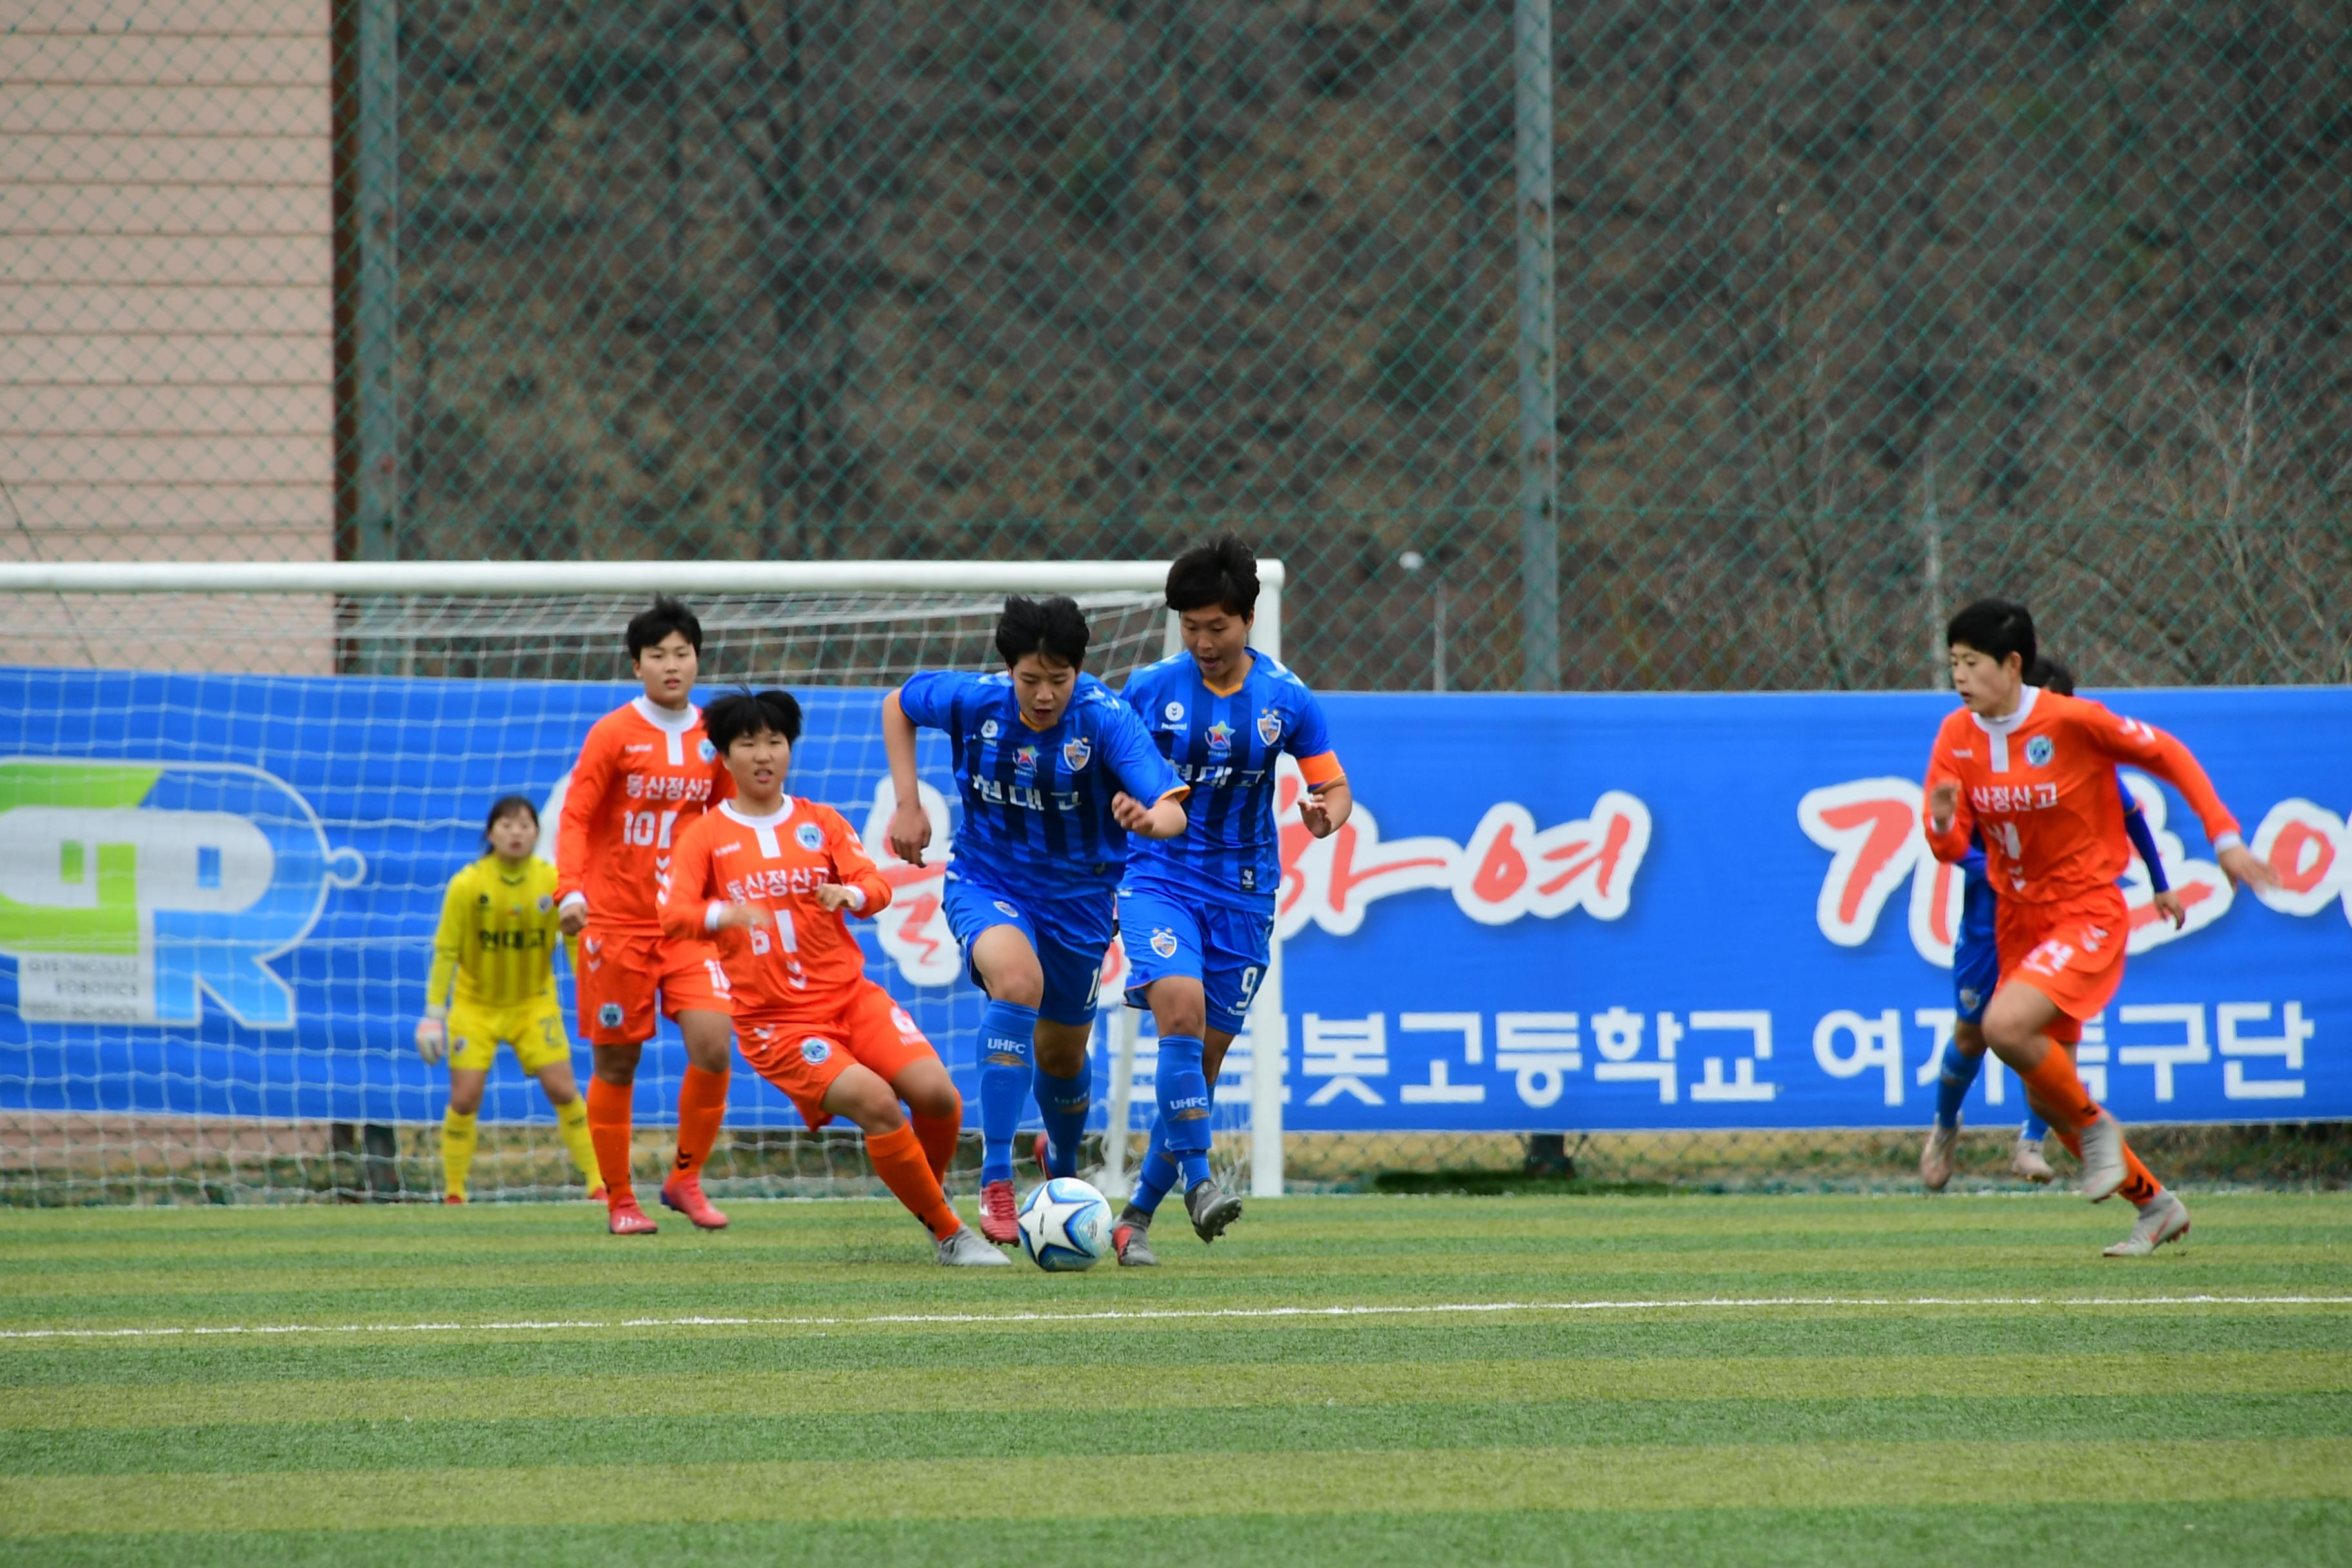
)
(1056, 771)
(1196, 912)
(1976, 972)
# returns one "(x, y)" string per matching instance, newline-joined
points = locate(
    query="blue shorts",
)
(1069, 937)
(1976, 971)
(1222, 948)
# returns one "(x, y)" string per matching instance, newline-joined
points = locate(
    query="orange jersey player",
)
(773, 880)
(647, 773)
(2032, 774)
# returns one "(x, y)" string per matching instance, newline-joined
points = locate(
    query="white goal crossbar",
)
(1269, 1025)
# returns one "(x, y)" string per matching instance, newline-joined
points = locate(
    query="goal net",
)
(231, 799)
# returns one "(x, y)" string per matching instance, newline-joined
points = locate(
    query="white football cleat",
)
(2103, 1157)
(2027, 1162)
(2161, 1219)
(959, 1248)
(1936, 1157)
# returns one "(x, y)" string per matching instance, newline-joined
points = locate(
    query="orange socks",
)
(2139, 1184)
(701, 1107)
(939, 1135)
(609, 1107)
(898, 1159)
(2057, 1089)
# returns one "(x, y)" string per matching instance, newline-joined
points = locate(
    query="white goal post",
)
(216, 603)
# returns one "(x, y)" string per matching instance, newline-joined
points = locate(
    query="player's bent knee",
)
(928, 1091)
(860, 1095)
(1178, 1007)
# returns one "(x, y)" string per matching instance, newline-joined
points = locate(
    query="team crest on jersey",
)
(2037, 752)
(1174, 712)
(815, 1052)
(483, 899)
(609, 1015)
(546, 902)
(988, 730)
(1164, 941)
(1221, 736)
(1024, 759)
(1269, 726)
(1006, 909)
(809, 837)
(706, 752)
(1076, 752)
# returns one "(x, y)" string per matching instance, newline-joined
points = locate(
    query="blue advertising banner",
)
(1555, 912)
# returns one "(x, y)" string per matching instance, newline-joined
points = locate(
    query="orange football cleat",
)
(627, 1220)
(683, 1193)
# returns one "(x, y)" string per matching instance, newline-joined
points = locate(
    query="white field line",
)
(1169, 1314)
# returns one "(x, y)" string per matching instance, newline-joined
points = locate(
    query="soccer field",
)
(1359, 1381)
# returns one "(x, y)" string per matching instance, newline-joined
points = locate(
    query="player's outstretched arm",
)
(2145, 746)
(575, 836)
(910, 824)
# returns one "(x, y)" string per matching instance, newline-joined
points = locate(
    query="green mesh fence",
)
(1855, 311)
(1858, 309)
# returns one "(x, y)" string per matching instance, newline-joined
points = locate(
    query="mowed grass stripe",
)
(1994, 1534)
(1434, 1480)
(1083, 1433)
(431, 1284)
(1078, 1386)
(1139, 1348)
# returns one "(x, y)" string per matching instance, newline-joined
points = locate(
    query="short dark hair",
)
(509, 806)
(2050, 676)
(1052, 627)
(1220, 573)
(742, 713)
(1995, 627)
(660, 618)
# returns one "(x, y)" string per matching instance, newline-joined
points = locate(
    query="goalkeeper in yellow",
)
(500, 929)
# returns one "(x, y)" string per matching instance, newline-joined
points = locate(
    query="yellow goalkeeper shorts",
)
(535, 1030)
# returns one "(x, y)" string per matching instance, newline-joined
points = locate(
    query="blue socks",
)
(1006, 1031)
(1158, 1172)
(1063, 1102)
(1953, 1074)
(1183, 1123)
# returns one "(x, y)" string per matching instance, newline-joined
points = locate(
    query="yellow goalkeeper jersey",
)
(499, 934)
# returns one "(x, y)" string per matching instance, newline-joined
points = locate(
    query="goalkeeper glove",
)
(432, 1040)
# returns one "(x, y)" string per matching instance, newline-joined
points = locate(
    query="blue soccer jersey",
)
(1225, 744)
(1037, 803)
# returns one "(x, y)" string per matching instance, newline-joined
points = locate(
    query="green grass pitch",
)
(1351, 1381)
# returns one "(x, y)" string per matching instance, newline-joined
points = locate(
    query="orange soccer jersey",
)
(801, 959)
(644, 776)
(2038, 788)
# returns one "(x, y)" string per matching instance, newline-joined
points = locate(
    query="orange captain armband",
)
(1322, 769)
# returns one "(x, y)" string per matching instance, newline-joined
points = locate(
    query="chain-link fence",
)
(1744, 340)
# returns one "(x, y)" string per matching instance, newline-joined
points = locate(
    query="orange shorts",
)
(616, 974)
(802, 1051)
(2072, 953)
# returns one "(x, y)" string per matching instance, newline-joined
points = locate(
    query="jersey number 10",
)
(647, 828)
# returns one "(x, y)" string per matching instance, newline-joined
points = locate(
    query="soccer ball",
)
(1065, 1226)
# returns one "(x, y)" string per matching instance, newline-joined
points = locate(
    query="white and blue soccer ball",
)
(1065, 1226)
